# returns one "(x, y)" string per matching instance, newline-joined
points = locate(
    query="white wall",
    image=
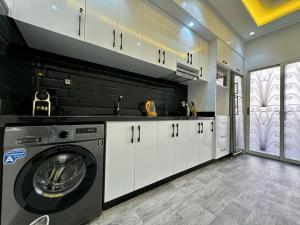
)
(278, 47)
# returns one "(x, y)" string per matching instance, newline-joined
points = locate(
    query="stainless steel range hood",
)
(183, 74)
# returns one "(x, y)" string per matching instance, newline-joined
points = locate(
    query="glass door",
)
(292, 111)
(238, 114)
(264, 111)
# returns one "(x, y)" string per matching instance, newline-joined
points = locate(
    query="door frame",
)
(281, 156)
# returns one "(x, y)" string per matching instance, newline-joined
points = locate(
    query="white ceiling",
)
(234, 12)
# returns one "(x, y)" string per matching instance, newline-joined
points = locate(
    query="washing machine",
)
(52, 175)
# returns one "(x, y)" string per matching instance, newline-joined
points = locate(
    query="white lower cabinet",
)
(194, 143)
(206, 141)
(182, 147)
(130, 157)
(201, 135)
(145, 154)
(222, 136)
(165, 149)
(141, 153)
(119, 160)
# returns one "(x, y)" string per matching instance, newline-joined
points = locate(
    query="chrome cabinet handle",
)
(139, 129)
(80, 18)
(177, 133)
(164, 54)
(201, 71)
(202, 128)
(212, 126)
(132, 134)
(199, 128)
(191, 59)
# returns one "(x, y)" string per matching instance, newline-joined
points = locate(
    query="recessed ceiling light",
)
(184, 4)
(252, 33)
(228, 42)
(191, 24)
(54, 7)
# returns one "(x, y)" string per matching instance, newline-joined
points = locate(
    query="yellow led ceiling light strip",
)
(266, 11)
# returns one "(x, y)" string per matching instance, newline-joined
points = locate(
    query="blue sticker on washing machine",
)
(12, 156)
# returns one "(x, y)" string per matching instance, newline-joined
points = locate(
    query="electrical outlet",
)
(68, 82)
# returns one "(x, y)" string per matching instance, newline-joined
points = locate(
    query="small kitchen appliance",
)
(41, 104)
(150, 108)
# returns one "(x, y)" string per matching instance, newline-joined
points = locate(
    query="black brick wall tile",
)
(93, 87)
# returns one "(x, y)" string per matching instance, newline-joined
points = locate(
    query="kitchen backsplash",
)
(93, 87)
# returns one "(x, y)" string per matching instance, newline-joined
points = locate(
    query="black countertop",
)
(30, 120)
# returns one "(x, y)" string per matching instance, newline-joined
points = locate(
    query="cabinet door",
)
(145, 154)
(224, 54)
(119, 160)
(192, 153)
(63, 17)
(165, 149)
(182, 146)
(130, 27)
(102, 23)
(195, 51)
(152, 34)
(237, 63)
(185, 41)
(169, 41)
(222, 136)
(206, 141)
(203, 59)
(188, 50)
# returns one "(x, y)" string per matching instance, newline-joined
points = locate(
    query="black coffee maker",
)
(41, 104)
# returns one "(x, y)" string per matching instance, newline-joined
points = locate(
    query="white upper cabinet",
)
(188, 50)
(169, 42)
(152, 34)
(203, 74)
(229, 58)
(102, 23)
(64, 17)
(238, 63)
(115, 25)
(111, 30)
(184, 37)
(224, 54)
(130, 27)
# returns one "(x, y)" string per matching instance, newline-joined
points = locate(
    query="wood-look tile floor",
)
(243, 190)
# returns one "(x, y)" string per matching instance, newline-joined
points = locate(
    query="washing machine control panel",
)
(37, 135)
(76, 133)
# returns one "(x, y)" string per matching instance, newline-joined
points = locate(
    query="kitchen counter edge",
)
(29, 120)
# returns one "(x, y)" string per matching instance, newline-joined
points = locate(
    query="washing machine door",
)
(55, 179)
